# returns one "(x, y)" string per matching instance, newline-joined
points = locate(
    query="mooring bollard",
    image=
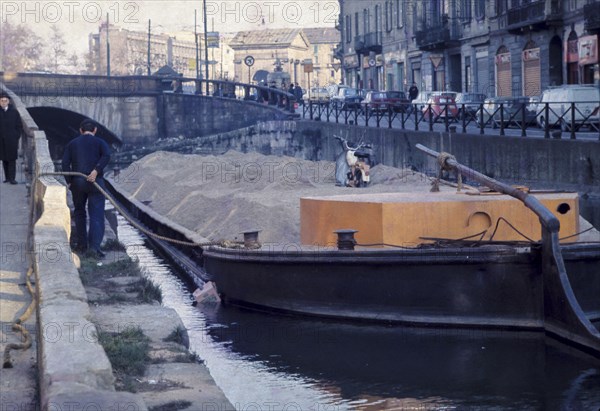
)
(346, 239)
(251, 238)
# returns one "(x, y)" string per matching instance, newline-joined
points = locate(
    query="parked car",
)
(511, 113)
(559, 99)
(319, 95)
(421, 100)
(397, 100)
(347, 98)
(385, 100)
(375, 101)
(442, 106)
(471, 101)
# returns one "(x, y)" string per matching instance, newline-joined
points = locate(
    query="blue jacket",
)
(84, 154)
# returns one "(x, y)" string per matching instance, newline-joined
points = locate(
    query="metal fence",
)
(569, 117)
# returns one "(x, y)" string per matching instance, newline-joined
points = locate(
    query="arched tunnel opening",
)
(61, 126)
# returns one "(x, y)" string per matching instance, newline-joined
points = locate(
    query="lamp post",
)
(149, 64)
(205, 45)
(107, 47)
(197, 51)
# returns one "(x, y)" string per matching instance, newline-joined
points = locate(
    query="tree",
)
(20, 48)
(58, 54)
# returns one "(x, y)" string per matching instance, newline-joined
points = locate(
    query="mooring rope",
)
(222, 243)
(19, 327)
(441, 159)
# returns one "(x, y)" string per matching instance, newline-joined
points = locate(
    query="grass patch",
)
(172, 406)
(116, 299)
(127, 351)
(178, 335)
(90, 269)
(188, 358)
(149, 292)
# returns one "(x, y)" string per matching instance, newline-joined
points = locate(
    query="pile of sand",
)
(220, 196)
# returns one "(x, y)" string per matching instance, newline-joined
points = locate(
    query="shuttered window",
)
(503, 75)
(531, 72)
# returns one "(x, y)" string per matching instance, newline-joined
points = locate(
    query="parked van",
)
(334, 89)
(559, 99)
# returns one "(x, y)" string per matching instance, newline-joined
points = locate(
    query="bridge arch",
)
(62, 125)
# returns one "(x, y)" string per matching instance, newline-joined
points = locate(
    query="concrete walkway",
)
(18, 385)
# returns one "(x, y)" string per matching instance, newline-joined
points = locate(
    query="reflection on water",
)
(269, 362)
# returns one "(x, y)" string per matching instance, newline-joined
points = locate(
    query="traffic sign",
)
(249, 60)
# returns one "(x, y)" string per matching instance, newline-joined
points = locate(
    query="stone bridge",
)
(138, 110)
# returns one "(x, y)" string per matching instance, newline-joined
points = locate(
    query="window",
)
(415, 16)
(356, 24)
(366, 27)
(316, 49)
(377, 18)
(465, 11)
(389, 13)
(434, 12)
(479, 9)
(400, 13)
(348, 26)
(573, 5)
(500, 7)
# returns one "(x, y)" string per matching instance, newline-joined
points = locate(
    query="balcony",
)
(438, 37)
(533, 16)
(591, 13)
(369, 42)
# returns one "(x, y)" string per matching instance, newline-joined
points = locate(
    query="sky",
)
(78, 18)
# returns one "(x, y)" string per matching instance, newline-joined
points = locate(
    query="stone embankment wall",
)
(195, 116)
(72, 366)
(571, 164)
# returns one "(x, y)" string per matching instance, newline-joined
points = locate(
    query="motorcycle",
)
(353, 165)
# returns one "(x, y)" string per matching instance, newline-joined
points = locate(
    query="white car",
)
(560, 100)
(319, 95)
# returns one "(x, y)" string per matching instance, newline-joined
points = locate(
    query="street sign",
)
(308, 65)
(249, 60)
(212, 39)
(372, 62)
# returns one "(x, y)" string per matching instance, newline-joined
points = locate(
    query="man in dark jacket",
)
(10, 133)
(298, 92)
(87, 154)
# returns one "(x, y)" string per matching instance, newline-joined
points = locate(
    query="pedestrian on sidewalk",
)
(87, 154)
(10, 133)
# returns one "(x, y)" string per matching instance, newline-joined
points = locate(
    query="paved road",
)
(18, 385)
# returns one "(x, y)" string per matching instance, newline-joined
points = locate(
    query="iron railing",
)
(553, 118)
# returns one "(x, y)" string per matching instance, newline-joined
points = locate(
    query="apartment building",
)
(497, 47)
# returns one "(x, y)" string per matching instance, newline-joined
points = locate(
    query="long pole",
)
(196, 38)
(107, 47)
(149, 28)
(205, 45)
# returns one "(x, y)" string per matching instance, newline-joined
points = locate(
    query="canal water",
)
(275, 362)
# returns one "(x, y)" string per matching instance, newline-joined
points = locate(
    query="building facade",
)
(136, 53)
(306, 54)
(497, 47)
(323, 42)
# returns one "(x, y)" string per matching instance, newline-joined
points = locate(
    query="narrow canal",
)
(271, 362)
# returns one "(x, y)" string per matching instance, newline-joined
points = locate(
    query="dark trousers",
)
(85, 194)
(10, 169)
